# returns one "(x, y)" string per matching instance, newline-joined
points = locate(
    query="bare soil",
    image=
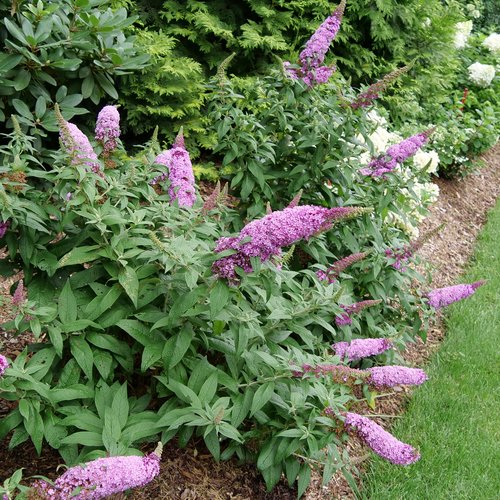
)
(191, 473)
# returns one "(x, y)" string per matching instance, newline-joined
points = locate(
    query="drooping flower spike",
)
(396, 154)
(361, 348)
(442, 297)
(20, 294)
(380, 441)
(107, 128)
(102, 477)
(273, 232)
(345, 318)
(4, 364)
(333, 272)
(390, 376)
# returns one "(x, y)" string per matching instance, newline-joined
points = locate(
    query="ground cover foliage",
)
(153, 321)
(449, 416)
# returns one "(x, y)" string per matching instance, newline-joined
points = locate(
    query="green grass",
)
(454, 418)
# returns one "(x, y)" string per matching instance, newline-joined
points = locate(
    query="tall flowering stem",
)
(390, 376)
(107, 128)
(20, 294)
(312, 57)
(361, 348)
(397, 153)
(180, 173)
(333, 272)
(4, 364)
(366, 98)
(442, 297)
(345, 318)
(103, 477)
(274, 231)
(380, 441)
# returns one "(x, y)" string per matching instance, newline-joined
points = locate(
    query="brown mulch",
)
(191, 473)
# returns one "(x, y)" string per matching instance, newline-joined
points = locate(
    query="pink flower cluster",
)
(107, 128)
(361, 348)
(380, 441)
(442, 297)
(274, 231)
(3, 228)
(180, 173)
(79, 147)
(395, 154)
(102, 477)
(312, 57)
(333, 272)
(20, 294)
(390, 376)
(4, 364)
(345, 318)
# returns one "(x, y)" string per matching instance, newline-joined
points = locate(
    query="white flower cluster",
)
(463, 31)
(424, 158)
(492, 43)
(481, 74)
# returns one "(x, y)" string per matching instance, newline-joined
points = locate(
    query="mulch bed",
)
(191, 473)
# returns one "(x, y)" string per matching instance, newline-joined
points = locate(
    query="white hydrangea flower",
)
(374, 117)
(463, 31)
(492, 43)
(481, 74)
(396, 220)
(422, 158)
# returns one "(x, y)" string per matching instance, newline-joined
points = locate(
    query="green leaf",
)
(208, 389)
(103, 361)
(219, 296)
(304, 479)
(242, 405)
(82, 352)
(88, 86)
(79, 255)
(9, 61)
(106, 85)
(22, 108)
(15, 31)
(21, 81)
(76, 391)
(272, 475)
(84, 439)
(66, 306)
(262, 396)
(79, 325)
(127, 278)
(177, 346)
(151, 354)
(102, 303)
(213, 444)
(120, 406)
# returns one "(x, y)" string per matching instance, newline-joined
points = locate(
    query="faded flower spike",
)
(396, 154)
(380, 441)
(345, 318)
(20, 295)
(180, 173)
(361, 348)
(107, 128)
(102, 477)
(3, 228)
(390, 376)
(333, 272)
(442, 297)
(273, 232)
(4, 364)
(78, 146)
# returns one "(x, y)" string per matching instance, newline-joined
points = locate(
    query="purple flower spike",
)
(3, 228)
(389, 376)
(103, 477)
(345, 318)
(333, 272)
(20, 295)
(107, 128)
(380, 441)
(79, 147)
(4, 364)
(274, 231)
(442, 297)
(361, 348)
(397, 153)
(180, 173)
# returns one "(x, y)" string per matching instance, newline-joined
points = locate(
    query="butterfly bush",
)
(180, 173)
(107, 128)
(390, 376)
(442, 297)
(380, 441)
(312, 57)
(102, 477)
(396, 154)
(345, 318)
(4, 364)
(492, 43)
(333, 272)
(274, 231)
(361, 348)
(78, 146)
(481, 74)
